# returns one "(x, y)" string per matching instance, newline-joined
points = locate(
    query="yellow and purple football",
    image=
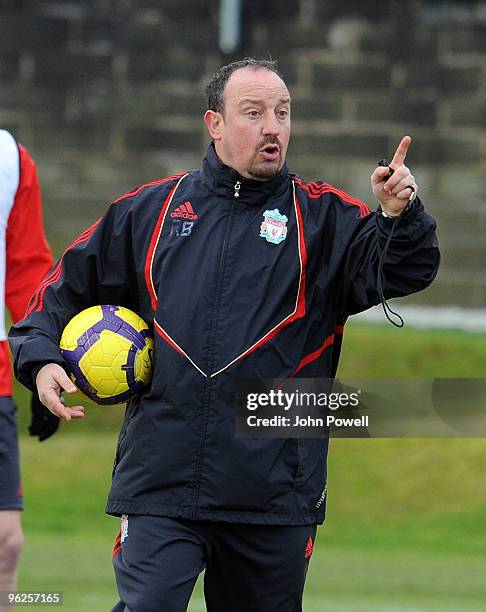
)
(108, 353)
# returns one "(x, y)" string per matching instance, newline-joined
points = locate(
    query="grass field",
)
(406, 526)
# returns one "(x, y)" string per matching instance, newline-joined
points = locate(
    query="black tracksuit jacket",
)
(191, 255)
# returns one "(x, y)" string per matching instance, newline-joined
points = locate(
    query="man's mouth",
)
(270, 152)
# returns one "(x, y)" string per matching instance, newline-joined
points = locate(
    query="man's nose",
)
(270, 125)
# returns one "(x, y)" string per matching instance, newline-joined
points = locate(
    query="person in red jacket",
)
(25, 258)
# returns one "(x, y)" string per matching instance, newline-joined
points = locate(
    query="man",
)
(245, 270)
(24, 259)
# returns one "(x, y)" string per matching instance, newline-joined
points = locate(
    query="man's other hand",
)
(395, 191)
(43, 423)
(51, 381)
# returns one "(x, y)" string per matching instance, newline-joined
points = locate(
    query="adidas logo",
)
(184, 211)
(309, 549)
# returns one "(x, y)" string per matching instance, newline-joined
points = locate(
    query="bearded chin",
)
(263, 172)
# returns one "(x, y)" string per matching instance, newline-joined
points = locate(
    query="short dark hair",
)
(215, 87)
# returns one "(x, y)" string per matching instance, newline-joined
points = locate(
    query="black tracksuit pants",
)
(248, 568)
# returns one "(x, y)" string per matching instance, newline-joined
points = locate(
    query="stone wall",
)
(109, 94)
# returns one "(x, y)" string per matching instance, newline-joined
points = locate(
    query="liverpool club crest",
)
(274, 226)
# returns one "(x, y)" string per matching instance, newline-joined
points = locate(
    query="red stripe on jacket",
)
(139, 189)
(37, 299)
(317, 353)
(37, 302)
(153, 244)
(316, 190)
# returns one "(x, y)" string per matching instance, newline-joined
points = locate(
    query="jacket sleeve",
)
(97, 268)
(410, 262)
(28, 257)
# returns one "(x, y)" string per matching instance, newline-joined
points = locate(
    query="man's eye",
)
(253, 114)
(283, 114)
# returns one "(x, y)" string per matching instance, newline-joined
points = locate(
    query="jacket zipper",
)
(210, 364)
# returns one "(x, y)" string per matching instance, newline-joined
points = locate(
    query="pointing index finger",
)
(401, 152)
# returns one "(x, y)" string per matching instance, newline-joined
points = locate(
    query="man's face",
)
(252, 134)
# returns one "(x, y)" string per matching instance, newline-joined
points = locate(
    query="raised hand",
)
(395, 191)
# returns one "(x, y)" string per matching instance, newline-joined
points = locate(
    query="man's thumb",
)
(66, 383)
(381, 173)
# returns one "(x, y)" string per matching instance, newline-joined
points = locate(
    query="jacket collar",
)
(222, 179)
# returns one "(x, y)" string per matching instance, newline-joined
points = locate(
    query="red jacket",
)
(25, 257)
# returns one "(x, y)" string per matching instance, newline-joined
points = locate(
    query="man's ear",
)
(213, 121)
